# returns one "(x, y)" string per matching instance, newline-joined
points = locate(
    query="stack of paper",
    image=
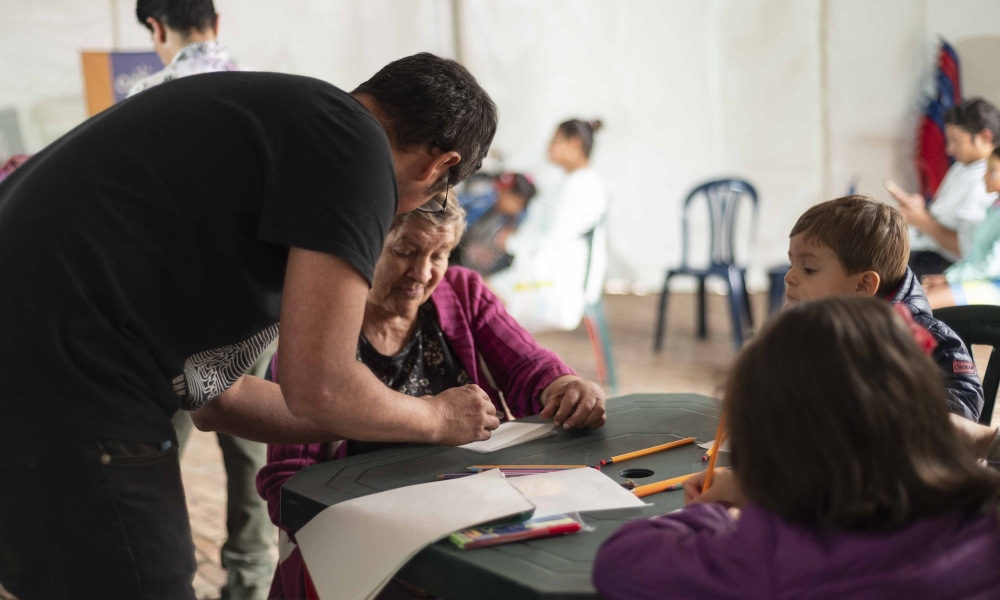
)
(353, 549)
(510, 434)
(574, 490)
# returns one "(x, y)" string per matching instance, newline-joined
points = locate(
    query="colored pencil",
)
(662, 486)
(653, 450)
(720, 433)
(485, 467)
(444, 476)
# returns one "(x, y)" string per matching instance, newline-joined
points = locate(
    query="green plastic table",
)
(557, 567)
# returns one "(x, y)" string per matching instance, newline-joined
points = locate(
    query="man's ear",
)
(439, 164)
(868, 283)
(159, 31)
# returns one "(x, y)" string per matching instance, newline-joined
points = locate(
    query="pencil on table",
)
(720, 433)
(662, 486)
(646, 451)
(485, 467)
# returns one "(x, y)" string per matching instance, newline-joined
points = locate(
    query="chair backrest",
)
(723, 197)
(594, 275)
(978, 325)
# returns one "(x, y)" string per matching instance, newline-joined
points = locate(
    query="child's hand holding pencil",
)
(725, 490)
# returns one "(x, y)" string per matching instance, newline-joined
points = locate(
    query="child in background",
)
(976, 278)
(847, 481)
(560, 249)
(857, 246)
(482, 248)
(942, 230)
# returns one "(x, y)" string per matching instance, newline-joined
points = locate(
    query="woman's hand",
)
(725, 490)
(572, 401)
(930, 282)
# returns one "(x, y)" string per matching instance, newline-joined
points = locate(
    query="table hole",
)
(635, 473)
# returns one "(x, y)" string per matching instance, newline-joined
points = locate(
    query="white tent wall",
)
(342, 41)
(798, 96)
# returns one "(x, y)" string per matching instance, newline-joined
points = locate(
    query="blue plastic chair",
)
(597, 325)
(723, 197)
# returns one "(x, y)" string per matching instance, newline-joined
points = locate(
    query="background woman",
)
(847, 480)
(560, 248)
(428, 328)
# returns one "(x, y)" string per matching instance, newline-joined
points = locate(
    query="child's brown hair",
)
(866, 235)
(838, 420)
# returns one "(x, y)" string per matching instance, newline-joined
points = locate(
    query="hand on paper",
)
(574, 402)
(725, 490)
(466, 415)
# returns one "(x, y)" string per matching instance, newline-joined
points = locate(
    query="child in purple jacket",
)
(848, 481)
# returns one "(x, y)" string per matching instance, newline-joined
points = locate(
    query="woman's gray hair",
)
(452, 216)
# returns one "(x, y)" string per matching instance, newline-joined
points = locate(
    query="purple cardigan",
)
(700, 552)
(473, 321)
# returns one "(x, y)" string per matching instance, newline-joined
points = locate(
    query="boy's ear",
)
(986, 136)
(868, 283)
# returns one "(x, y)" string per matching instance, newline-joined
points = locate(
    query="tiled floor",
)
(686, 364)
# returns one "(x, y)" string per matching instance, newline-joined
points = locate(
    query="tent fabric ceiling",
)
(798, 96)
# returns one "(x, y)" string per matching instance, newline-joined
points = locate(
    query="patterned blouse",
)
(426, 366)
(200, 57)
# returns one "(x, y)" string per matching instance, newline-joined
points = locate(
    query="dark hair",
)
(996, 152)
(184, 16)
(838, 420)
(581, 130)
(866, 235)
(517, 183)
(974, 115)
(436, 102)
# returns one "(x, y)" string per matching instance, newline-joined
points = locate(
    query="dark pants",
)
(89, 518)
(923, 263)
(246, 555)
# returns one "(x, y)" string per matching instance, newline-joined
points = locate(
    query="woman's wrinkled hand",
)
(574, 402)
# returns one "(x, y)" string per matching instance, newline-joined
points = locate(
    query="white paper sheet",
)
(354, 548)
(511, 434)
(707, 445)
(574, 490)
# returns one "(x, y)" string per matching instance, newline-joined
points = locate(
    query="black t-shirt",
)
(142, 255)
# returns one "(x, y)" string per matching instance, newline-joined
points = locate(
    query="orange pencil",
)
(720, 433)
(661, 486)
(653, 450)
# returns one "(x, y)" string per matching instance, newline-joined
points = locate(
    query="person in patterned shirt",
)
(184, 35)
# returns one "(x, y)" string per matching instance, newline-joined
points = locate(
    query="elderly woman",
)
(428, 328)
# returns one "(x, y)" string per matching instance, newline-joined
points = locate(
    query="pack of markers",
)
(481, 537)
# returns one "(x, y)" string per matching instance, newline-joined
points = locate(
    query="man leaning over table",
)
(150, 278)
(183, 33)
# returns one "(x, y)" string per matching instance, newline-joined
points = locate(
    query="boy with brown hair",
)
(857, 246)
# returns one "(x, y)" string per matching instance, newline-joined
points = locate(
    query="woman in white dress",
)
(559, 250)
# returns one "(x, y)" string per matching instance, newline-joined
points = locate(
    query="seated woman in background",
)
(428, 328)
(847, 480)
(976, 278)
(560, 248)
(482, 248)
